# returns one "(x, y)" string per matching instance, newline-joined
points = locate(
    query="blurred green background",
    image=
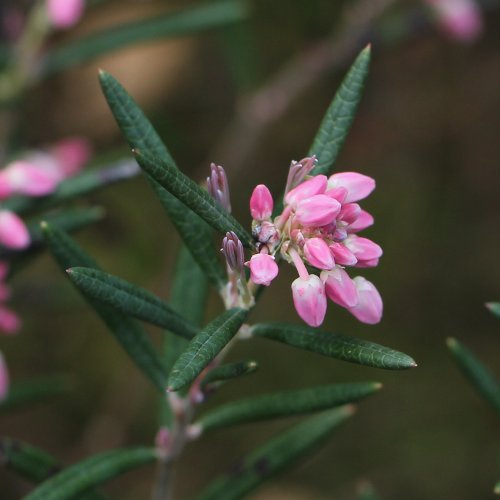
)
(427, 131)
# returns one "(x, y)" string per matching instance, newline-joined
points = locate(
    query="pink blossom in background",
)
(461, 20)
(318, 227)
(13, 232)
(64, 14)
(4, 378)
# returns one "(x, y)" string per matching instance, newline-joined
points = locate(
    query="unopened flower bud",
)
(362, 248)
(340, 288)
(263, 269)
(65, 13)
(343, 255)
(71, 155)
(298, 171)
(232, 248)
(9, 321)
(349, 212)
(13, 232)
(315, 185)
(358, 186)
(318, 253)
(363, 221)
(369, 307)
(218, 186)
(309, 299)
(318, 210)
(261, 203)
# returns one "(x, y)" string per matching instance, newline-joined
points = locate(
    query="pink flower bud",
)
(71, 155)
(4, 379)
(363, 221)
(339, 193)
(318, 210)
(26, 177)
(263, 269)
(340, 288)
(362, 248)
(318, 253)
(315, 185)
(309, 299)
(9, 321)
(13, 232)
(358, 186)
(343, 255)
(367, 263)
(349, 212)
(261, 203)
(65, 13)
(369, 307)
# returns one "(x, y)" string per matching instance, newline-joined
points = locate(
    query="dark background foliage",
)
(427, 130)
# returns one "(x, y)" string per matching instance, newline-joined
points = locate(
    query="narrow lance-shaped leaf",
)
(476, 372)
(182, 23)
(139, 133)
(192, 195)
(285, 404)
(205, 347)
(494, 307)
(336, 346)
(90, 180)
(34, 464)
(127, 332)
(229, 371)
(339, 116)
(91, 472)
(130, 300)
(276, 455)
(29, 392)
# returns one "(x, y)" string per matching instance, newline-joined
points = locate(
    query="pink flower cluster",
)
(64, 14)
(35, 174)
(318, 228)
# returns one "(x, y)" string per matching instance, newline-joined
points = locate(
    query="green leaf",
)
(127, 332)
(339, 116)
(229, 371)
(29, 392)
(205, 347)
(91, 472)
(130, 300)
(29, 462)
(276, 455)
(192, 195)
(336, 346)
(140, 134)
(284, 404)
(494, 307)
(188, 21)
(90, 180)
(476, 372)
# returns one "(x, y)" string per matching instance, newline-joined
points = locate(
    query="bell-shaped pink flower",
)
(309, 299)
(4, 378)
(362, 248)
(71, 155)
(318, 253)
(9, 321)
(263, 269)
(363, 221)
(358, 186)
(349, 212)
(340, 288)
(315, 185)
(343, 255)
(13, 232)
(261, 203)
(318, 211)
(65, 13)
(369, 307)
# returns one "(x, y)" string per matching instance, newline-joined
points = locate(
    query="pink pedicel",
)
(261, 203)
(9, 321)
(13, 231)
(64, 14)
(318, 253)
(311, 187)
(318, 210)
(4, 378)
(263, 269)
(460, 20)
(358, 186)
(340, 288)
(369, 307)
(318, 227)
(309, 299)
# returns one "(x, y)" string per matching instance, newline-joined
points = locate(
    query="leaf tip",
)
(349, 410)
(367, 49)
(377, 386)
(451, 342)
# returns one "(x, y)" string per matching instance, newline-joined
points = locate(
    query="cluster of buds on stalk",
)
(317, 232)
(35, 174)
(318, 229)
